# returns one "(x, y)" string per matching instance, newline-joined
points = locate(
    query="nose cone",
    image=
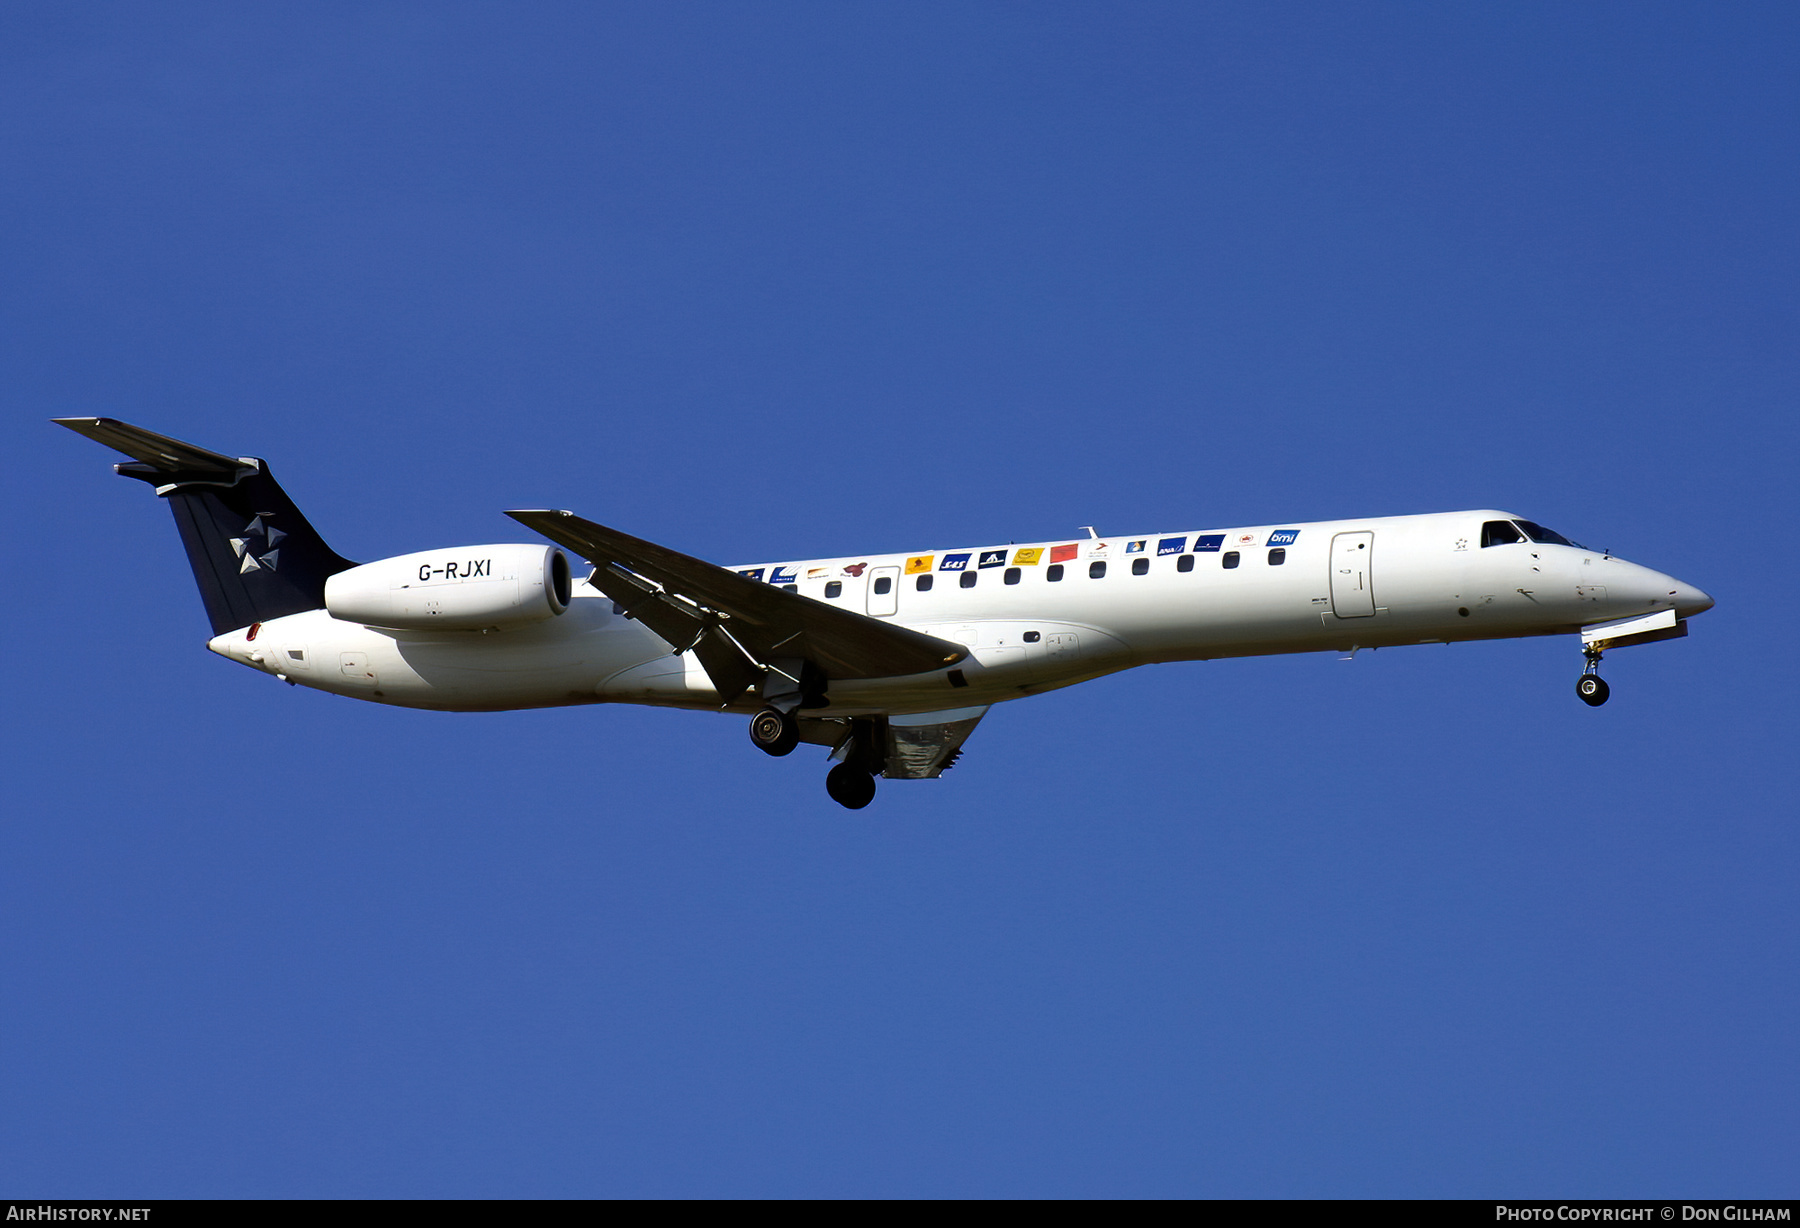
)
(1688, 599)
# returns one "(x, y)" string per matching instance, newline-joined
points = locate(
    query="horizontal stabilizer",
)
(770, 623)
(170, 456)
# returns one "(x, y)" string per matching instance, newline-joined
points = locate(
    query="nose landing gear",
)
(1591, 687)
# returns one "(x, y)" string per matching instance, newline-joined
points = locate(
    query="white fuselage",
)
(1337, 585)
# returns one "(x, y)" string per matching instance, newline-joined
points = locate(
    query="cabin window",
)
(1140, 567)
(884, 585)
(1185, 563)
(1277, 556)
(834, 588)
(1228, 560)
(1032, 637)
(1012, 575)
(1053, 573)
(923, 584)
(969, 578)
(790, 588)
(1500, 533)
(1096, 570)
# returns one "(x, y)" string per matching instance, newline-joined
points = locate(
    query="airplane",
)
(887, 660)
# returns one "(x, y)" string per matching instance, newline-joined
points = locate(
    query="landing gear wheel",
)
(774, 731)
(1593, 690)
(850, 787)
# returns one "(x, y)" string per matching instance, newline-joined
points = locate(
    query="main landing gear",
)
(1591, 687)
(775, 732)
(850, 786)
(851, 782)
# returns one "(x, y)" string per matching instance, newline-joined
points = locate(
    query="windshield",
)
(1548, 537)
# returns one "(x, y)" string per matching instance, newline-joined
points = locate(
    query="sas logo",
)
(784, 575)
(1208, 543)
(954, 562)
(1027, 556)
(991, 558)
(918, 563)
(1171, 545)
(1283, 537)
(752, 573)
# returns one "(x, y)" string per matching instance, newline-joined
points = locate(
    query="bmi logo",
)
(257, 546)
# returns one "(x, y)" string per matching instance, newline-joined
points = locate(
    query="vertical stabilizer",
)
(255, 557)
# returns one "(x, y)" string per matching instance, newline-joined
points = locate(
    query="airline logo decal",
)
(991, 558)
(954, 562)
(855, 569)
(1283, 537)
(1245, 539)
(1097, 550)
(1208, 542)
(918, 563)
(783, 575)
(816, 573)
(256, 548)
(1136, 547)
(1171, 545)
(1027, 556)
(1063, 554)
(752, 573)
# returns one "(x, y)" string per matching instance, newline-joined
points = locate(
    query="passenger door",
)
(884, 591)
(1352, 590)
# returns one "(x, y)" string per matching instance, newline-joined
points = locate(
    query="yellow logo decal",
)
(1027, 556)
(918, 563)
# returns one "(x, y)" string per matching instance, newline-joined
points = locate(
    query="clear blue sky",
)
(770, 281)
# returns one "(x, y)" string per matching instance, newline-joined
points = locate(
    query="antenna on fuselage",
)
(1090, 531)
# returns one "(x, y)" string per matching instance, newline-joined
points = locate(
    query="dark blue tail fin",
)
(254, 555)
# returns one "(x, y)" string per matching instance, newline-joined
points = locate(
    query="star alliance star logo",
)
(257, 547)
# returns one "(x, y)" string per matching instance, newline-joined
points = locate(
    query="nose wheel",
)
(1591, 687)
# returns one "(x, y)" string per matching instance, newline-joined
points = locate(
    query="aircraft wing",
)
(732, 623)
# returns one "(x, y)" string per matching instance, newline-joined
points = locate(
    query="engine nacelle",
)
(465, 588)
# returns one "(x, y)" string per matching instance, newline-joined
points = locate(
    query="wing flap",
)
(701, 602)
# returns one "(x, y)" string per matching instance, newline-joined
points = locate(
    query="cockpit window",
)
(1500, 533)
(1547, 537)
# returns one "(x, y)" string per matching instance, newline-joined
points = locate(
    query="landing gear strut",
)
(1591, 687)
(774, 731)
